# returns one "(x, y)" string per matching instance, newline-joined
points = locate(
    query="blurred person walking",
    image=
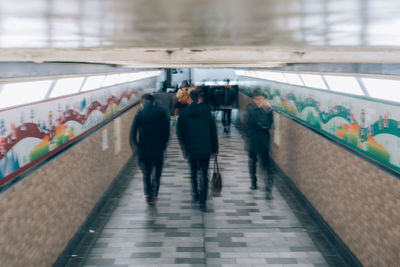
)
(226, 106)
(149, 135)
(164, 100)
(197, 135)
(257, 124)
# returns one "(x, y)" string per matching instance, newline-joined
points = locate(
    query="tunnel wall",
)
(42, 212)
(358, 200)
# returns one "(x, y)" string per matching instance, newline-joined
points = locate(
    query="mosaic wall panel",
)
(367, 125)
(29, 134)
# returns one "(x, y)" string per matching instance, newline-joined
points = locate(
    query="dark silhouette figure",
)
(164, 100)
(197, 134)
(149, 135)
(226, 106)
(257, 124)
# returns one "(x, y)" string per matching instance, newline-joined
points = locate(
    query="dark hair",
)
(257, 92)
(146, 98)
(185, 83)
(194, 95)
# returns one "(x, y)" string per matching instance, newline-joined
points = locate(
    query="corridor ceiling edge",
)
(250, 56)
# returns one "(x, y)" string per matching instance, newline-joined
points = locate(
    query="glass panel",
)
(132, 77)
(382, 88)
(93, 82)
(293, 78)
(312, 80)
(344, 84)
(241, 73)
(13, 94)
(274, 76)
(124, 77)
(66, 86)
(111, 80)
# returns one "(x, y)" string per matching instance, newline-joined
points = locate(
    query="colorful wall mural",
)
(369, 126)
(28, 133)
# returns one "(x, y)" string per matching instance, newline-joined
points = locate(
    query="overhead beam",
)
(255, 56)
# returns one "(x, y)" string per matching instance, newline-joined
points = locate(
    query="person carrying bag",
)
(216, 180)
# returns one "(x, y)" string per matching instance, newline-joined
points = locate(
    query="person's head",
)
(258, 96)
(194, 95)
(184, 84)
(147, 98)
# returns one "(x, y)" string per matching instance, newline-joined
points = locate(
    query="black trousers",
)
(266, 166)
(226, 117)
(151, 186)
(199, 186)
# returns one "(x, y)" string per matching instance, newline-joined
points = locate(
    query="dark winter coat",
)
(257, 123)
(197, 132)
(165, 101)
(150, 132)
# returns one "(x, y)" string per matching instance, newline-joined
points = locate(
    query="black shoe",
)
(225, 130)
(268, 196)
(253, 187)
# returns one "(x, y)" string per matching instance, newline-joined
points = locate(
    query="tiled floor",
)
(240, 228)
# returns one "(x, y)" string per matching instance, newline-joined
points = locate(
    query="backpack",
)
(217, 95)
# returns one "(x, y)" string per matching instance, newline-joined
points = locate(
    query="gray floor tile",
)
(240, 228)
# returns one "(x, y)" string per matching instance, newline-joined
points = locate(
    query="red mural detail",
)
(31, 129)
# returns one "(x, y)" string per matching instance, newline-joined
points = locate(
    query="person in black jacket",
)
(197, 135)
(257, 124)
(149, 135)
(226, 106)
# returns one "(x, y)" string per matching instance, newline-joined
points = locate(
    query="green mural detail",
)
(312, 120)
(381, 154)
(341, 123)
(37, 153)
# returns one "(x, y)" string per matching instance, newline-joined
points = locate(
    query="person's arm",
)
(270, 118)
(171, 105)
(247, 119)
(165, 127)
(214, 135)
(135, 127)
(178, 94)
(180, 132)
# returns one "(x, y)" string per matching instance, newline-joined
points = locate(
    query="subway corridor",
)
(240, 228)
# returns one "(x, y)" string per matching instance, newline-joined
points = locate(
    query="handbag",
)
(216, 180)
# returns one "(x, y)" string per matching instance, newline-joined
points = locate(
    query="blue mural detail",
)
(9, 164)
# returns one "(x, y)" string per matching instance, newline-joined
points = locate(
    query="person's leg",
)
(147, 169)
(224, 118)
(204, 181)
(269, 179)
(193, 169)
(157, 178)
(228, 120)
(228, 114)
(253, 170)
